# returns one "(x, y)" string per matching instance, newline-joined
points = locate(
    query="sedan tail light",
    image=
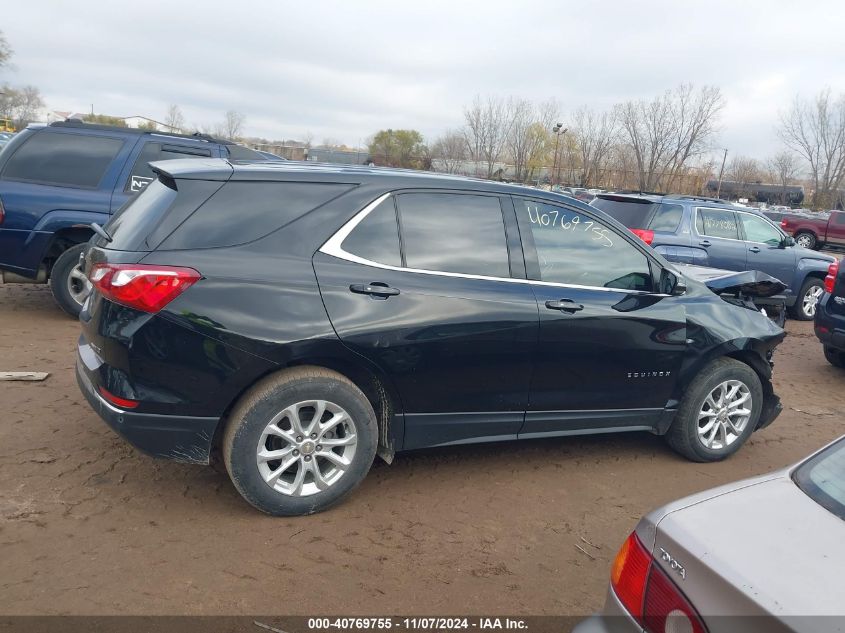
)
(648, 594)
(144, 288)
(830, 279)
(645, 235)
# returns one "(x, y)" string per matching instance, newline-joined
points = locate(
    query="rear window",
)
(242, 212)
(822, 478)
(134, 220)
(632, 212)
(73, 160)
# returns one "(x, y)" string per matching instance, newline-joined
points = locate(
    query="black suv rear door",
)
(448, 316)
(609, 347)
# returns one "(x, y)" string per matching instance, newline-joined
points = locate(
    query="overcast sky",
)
(344, 70)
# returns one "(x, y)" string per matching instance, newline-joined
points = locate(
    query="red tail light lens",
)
(830, 279)
(145, 288)
(2, 212)
(648, 594)
(629, 574)
(123, 403)
(645, 235)
(783, 224)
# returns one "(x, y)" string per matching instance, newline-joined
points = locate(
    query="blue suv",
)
(55, 180)
(711, 232)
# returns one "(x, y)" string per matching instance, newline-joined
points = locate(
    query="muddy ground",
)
(89, 526)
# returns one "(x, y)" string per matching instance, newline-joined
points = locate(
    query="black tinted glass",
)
(667, 219)
(454, 233)
(63, 159)
(573, 248)
(632, 212)
(241, 212)
(239, 152)
(376, 237)
(716, 223)
(142, 175)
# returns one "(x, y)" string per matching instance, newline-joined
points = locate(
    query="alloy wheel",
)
(306, 448)
(724, 414)
(78, 285)
(811, 300)
(804, 240)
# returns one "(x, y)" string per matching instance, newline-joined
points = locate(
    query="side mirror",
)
(788, 241)
(671, 284)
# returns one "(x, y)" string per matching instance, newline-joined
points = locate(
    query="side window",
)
(717, 223)
(758, 230)
(454, 233)
(75, 160)
(376, 237)
(141, 174)
(839, 218)
(667, 219)
(573, 248)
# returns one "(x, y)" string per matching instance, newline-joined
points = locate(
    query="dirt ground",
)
(89, 526)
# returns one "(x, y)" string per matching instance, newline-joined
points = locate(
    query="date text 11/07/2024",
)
(418, 623)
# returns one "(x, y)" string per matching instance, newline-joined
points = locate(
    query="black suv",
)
(298, 319)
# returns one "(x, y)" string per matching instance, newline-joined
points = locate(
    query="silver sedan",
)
(764, 554)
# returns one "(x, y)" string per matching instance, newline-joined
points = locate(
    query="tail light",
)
(830, 279)
(648, 594)
(645, 235)
(2, 212)
(783, 224)
(145, 288)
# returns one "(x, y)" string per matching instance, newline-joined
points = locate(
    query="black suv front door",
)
(609, 347)
(448, 317)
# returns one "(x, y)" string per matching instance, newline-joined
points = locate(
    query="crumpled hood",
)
(752, 283)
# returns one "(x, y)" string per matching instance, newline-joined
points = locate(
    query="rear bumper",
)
(614, 618)
(830, 327)
(182, 439)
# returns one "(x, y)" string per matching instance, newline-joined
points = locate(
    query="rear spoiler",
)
(750, 283)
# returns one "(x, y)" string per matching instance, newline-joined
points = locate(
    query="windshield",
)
(822, 478)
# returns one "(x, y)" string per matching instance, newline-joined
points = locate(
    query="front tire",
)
(68, 283)
(718, 413)
(806, 240)
(809, 296)
(299, 441)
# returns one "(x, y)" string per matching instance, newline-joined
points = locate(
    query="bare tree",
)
(668, 131)
(20, 104)
(595, 134)
(5, 50)
(743, 171)
(233, 124)
(449, 152)
(783, 170)
(816, 131)
(174, 120)
(488, 124)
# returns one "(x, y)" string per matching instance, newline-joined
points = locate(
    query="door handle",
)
(564, 305)
(754, 249)
(705, 243)
(374, 289)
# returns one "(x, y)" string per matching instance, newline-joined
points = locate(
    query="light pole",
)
(721, 172)
(557, 130)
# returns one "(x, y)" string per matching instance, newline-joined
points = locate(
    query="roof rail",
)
(703, 198)
(636, 192)
(79, 123)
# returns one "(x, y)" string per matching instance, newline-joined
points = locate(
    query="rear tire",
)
(834, 357)
(807, 240)
(282, 461)
(804, 308)
(68, 284)
(697, 419)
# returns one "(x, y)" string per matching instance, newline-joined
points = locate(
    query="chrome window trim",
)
(334, 247)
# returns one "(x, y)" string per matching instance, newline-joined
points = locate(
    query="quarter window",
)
(376, 237)
(63, 159)
(454, 233)
(667, 219)
(574, 248)
(717, 223)
(758, 230)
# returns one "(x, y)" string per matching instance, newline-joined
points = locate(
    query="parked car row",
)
(711, 232)
(55, 180)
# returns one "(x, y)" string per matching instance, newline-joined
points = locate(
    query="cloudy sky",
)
(343, 70)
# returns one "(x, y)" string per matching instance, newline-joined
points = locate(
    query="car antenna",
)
(99, 230)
